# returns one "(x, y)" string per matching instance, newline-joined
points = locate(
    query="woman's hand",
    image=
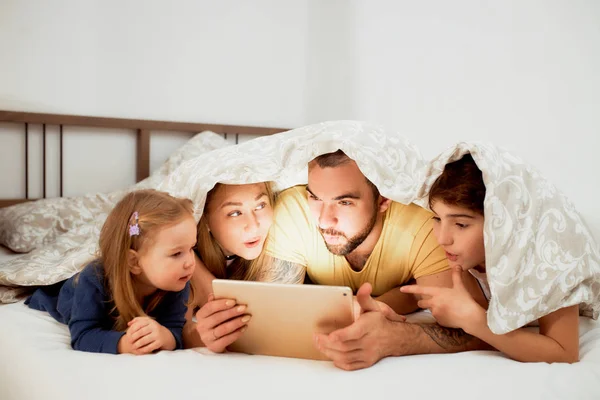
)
(220, 323)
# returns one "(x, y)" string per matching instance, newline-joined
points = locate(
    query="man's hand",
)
(367, 340)
(452, 307)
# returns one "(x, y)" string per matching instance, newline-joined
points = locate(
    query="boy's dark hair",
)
(461, 184)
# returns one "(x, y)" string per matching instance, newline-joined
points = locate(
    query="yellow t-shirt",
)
(406, 248)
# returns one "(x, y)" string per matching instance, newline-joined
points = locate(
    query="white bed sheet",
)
(37, 362)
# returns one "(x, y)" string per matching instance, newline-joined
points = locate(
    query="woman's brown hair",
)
(155, 210)
(461, 184)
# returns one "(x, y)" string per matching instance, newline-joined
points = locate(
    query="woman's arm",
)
(191, 337)
(557, 340)
(202, 284)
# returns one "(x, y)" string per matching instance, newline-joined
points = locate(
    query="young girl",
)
(231, 234)
(132, 299)
(456, 199)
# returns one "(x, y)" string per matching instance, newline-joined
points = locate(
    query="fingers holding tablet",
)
(220, 323)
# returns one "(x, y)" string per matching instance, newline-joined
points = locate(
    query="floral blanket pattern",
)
(540, 256)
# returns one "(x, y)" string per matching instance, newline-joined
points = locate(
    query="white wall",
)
(522, 74)
(231, 62)
(197, 60)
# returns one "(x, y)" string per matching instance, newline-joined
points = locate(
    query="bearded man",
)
(339, 230)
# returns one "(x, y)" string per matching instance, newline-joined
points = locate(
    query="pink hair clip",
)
(134, 228)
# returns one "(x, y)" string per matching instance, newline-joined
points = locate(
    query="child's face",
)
(239, 218)
(460, 233)
(167, 258)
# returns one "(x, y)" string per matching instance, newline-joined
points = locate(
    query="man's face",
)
(343, 204)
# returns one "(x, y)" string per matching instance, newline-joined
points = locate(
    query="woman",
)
(231, 234)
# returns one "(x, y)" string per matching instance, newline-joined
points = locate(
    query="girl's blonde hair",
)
(209, 250)
(155, 210)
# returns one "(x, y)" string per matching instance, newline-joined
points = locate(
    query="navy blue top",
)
(85, 306)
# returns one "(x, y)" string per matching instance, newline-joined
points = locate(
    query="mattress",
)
(37, 362)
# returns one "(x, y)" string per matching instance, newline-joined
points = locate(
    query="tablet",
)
(285, 316)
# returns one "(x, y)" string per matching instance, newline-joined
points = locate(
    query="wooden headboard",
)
(143, 128)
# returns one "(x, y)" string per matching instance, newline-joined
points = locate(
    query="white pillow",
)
(27, 226)
(61, 234)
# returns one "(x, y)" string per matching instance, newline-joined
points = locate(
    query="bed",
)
(38, 362)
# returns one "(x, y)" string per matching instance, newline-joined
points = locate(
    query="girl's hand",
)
(220, 323)
(452, 307)
(146, 336)
(125, 345)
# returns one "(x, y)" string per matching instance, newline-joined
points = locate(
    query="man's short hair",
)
(330, 160)
(337, 158)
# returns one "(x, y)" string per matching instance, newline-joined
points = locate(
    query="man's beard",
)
(353, 242)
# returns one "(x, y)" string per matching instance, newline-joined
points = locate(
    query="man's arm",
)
(375, 335)
(401, 303)
(276, 270)
(434, 339)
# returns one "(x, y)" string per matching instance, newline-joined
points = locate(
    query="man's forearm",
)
(432, 339)
(401, 303)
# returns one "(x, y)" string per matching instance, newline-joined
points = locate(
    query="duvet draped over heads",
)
(540, 256)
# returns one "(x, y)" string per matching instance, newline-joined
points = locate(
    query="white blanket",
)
(390, 161)
(539, 253)
(60, 236)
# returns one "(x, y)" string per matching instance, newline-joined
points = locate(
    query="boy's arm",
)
(557, 340)
(405, 303)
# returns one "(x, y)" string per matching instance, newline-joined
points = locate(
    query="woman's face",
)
(239, 218)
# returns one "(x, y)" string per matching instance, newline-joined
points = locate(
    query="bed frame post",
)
(143, 154)
(142, 129)
(26, 160)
